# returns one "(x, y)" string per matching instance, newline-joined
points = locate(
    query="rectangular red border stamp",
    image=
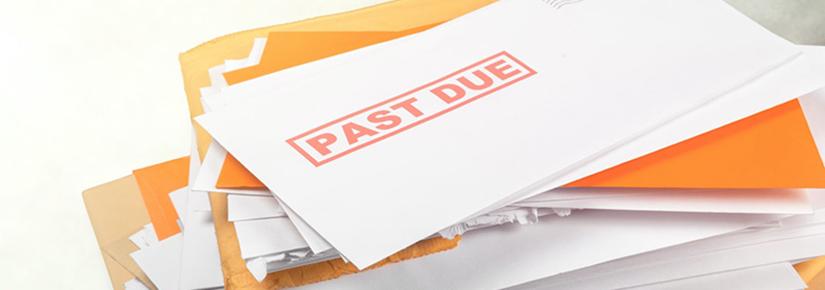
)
(367, 126)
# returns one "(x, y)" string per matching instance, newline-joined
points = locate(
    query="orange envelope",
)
(771, 149)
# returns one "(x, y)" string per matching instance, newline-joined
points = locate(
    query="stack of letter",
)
(472, 144)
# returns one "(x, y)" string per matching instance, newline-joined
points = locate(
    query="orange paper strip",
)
(155, 183)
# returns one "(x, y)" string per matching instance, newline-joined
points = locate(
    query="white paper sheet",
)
(134, 284)
(162, 262)
(794, 238)
(317, 243)
(145, 237)
(268, 236)
(200, 264)
(813, 105)
(180, 199)
(200, 259)
(244, 207)
(651, 80)
(506, 256)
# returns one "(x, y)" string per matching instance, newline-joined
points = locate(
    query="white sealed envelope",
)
(408, 137)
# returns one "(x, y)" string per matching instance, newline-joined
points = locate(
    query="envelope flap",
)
(117, 273)
(119, 251)
(116, 210)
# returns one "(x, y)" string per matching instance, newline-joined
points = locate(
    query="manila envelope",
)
(116, 211)
(394, 16)
(120, 208)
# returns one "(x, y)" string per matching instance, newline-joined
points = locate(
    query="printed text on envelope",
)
(367, 126)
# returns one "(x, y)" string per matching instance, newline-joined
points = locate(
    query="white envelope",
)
(316, 243)
(791, 74)
(244, 207)
(268, 236)
(599, 76)
(200, 259)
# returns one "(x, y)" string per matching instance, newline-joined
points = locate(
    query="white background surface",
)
(91, 89)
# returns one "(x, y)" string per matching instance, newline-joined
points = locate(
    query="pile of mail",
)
(474, 144)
